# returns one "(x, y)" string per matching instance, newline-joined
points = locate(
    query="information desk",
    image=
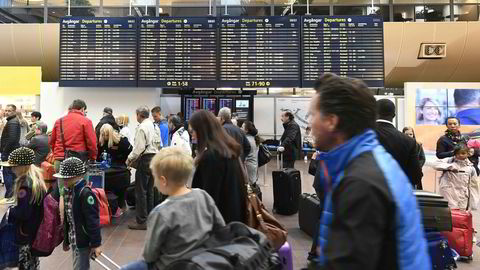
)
(178, 52)
(349, 46)
(259, 52)
(98, 52)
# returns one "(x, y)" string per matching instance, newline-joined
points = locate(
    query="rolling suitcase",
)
(309, 213)
(440, 253)
(436, 214)
(461, 237)
(287, 188)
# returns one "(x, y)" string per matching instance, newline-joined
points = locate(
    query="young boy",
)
(82, 222)
(184, 220)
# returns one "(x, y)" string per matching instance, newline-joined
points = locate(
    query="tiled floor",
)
(124, 245)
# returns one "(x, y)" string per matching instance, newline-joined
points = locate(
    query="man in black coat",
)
(106, 119)
(225, 117)
(399, 145)
(9, 141)
(291, 140)
(39, 143)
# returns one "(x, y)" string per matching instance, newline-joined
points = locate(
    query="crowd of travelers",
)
(365, 172)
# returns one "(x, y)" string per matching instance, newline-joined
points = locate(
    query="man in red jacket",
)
(78, 136)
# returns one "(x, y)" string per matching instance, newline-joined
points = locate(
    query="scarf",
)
(455, 136)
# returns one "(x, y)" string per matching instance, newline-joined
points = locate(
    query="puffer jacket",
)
(454, 186)
(79, 136)
(10, 139)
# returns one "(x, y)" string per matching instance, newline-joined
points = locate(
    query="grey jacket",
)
(39, 144)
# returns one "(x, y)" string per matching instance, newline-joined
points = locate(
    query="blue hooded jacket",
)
(411, 246)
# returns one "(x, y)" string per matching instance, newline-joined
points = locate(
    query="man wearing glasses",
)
(9, 141)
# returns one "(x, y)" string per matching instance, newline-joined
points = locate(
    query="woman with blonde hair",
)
(122, 122)
(117, 177)
(26, 215)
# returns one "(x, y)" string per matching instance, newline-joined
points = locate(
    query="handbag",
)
(50, 158)
(260, 219)
(312, 167)
(264, 155)
(82, 155)
(8, 249)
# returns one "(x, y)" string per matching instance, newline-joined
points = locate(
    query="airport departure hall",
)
(276, 135)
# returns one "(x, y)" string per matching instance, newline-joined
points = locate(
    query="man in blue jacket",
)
(370, 220)
(162, 124)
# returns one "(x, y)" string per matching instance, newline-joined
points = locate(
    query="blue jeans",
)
(136, 265)
(9, 179)
(81, 258)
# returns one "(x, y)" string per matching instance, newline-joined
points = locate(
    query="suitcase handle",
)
(108, 259)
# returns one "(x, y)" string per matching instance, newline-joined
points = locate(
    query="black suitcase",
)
(309, 213)
(436, 214)
(287, 187)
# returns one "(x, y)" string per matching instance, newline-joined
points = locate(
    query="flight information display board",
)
(178, 52)
(259, 52)
(345, 45)
(98, 52)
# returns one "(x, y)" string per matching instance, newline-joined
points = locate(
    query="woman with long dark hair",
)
(218, 170)
(251, 160)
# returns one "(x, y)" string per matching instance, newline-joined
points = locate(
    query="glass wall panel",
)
(432, 13)
(350, 10)
(358, 2)
(21, 3)
(466, 12)
(245, 11)
(54, 14)
(114, 3)
(382, 11)
(185, 3)
(184, 11)
(244, 2)
(467, 1)
(301, 2)
(24, 15)
(73, 3)
(403, 13)
(421, 1)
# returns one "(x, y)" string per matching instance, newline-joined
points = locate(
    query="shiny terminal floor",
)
(124, 245)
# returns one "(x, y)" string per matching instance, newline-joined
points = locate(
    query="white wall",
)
(54, 101)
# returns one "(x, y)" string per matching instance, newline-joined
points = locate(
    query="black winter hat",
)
(70, 168)
(22, 156)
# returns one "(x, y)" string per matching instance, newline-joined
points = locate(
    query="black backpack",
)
(264, 155)
(235, 246)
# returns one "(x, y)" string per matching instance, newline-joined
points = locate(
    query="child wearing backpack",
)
(81, 222)
(184, 220)
(29, 191)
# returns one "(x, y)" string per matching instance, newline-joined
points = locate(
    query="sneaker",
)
(118, 213)
(7, 201)
(136, 226)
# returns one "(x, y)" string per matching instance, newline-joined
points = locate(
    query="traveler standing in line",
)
(24, 128)
(27, 213)
(106, 119)
(421, 154)
(9, 141)
(162, 123)
(78, 135)
(117, 177)
(400, 146)
(122, 122)
(251, 161)
(225, 117)
(371, 220)
(34, 118)
(39, 143)
(180, 136)
(218, 168)
(142, 153)
(291, 140)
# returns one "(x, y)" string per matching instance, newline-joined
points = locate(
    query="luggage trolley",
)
(96, 175)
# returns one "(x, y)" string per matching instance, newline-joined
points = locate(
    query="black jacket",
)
(25, 215)
(10, 139)
(222, 179)
(239, 136)
(403, 149)
(291, 140)
(107, 119)
(86, 218)
(119, 152)
(39, 144)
